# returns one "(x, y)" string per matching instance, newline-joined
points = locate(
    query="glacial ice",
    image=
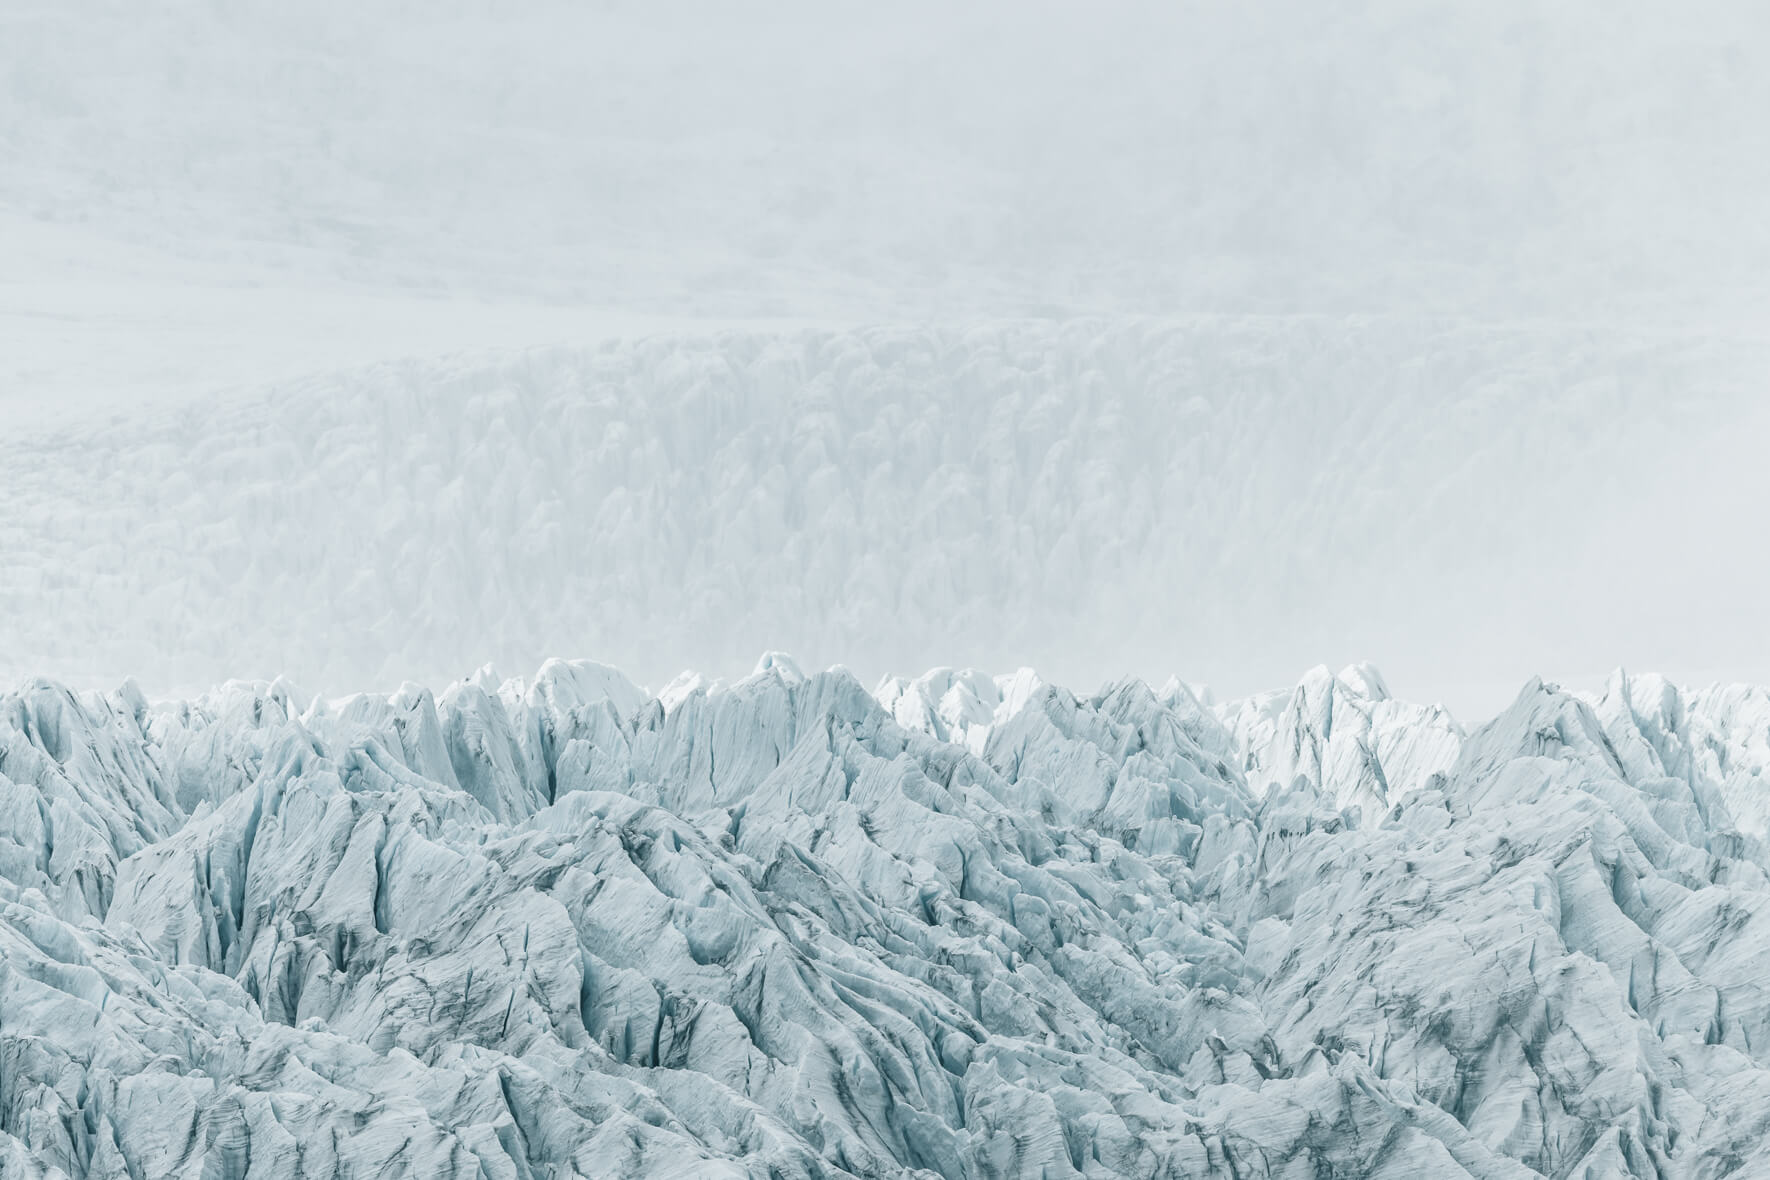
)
(964, 926)
(1000, 491)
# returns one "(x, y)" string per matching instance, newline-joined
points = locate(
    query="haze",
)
(1106, 339)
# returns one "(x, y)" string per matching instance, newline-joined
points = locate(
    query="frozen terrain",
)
(965, 926)
(359, 345)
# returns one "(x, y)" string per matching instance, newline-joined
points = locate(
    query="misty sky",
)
(1461, 330)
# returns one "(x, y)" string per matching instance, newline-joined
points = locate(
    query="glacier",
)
(962, 925)
(1004, 492)
(989, 349)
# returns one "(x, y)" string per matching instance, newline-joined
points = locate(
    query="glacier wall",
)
(1096, 497)
(962, 926)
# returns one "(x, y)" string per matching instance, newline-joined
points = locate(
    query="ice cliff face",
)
(966, 926)
(1346, 735)
(1230, 482)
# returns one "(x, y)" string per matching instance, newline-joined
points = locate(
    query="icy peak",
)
(786, 927)
(781, 665)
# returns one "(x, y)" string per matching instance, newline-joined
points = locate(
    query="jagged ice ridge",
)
(962, 926)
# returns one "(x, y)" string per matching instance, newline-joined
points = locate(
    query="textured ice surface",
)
(966, 926)
(1098, 497)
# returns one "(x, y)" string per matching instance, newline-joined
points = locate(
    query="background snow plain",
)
(360, 343)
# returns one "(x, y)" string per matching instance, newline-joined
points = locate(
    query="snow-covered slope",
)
(1094, 496)
(971, 926)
